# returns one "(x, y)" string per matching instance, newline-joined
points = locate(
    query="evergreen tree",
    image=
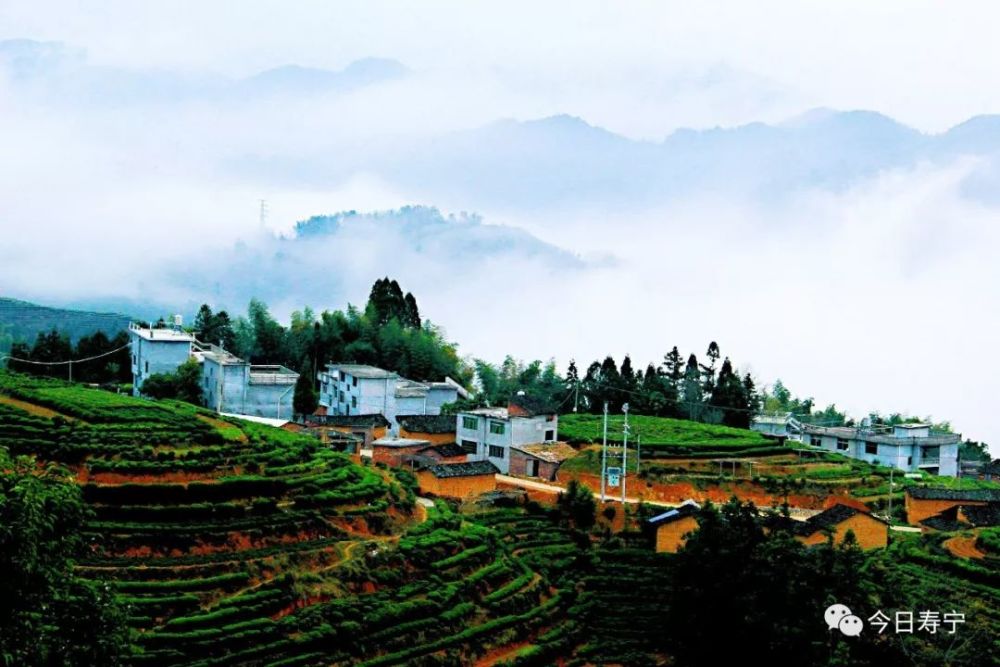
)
(305, 400)
(692, 394)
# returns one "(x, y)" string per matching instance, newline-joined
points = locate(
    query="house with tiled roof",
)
(870, 531)
(671, 528)
(908, 447)
(458, 480)
(539, 459)
(924, 502)
(488, 434)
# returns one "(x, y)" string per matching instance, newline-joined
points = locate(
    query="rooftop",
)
(552, 452)
(362, 371)
(166, 335)
(272, 374)
(937, 493)
(278, 423)
(410, 389)
(359, 421)
(447, 450)
(468, 469)
(687, 508)
(853, 433)
(829, 519)
(427, 423)
(495, 413)
(399, 442)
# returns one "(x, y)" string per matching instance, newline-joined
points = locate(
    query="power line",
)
(8, 357)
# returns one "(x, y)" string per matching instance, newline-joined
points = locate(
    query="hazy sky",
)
(127, 146)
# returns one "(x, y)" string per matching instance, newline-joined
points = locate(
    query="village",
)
(377, 416)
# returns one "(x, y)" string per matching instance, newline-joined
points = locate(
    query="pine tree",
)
(692, 394)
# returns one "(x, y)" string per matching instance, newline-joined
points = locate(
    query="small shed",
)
(673, 526)
(366, 427)
(446, 453)
(540, 460)
(395, 451)
(458, 480)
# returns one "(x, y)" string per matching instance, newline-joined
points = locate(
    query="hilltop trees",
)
(54, 346)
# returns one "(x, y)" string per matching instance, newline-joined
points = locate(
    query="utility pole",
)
(624, 454)
(263, 213)
(604, 452)
(638, 450)
(576, 395)
(891, 470)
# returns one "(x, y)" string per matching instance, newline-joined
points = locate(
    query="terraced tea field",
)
(233, 543)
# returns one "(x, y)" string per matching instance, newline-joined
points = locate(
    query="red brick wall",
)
(455, 487)
(393, 456)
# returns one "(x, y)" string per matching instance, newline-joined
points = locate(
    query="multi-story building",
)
(487, 434)
(235, 386)
(359, 389)
(157, 351)
(909, 447)
(229, 384)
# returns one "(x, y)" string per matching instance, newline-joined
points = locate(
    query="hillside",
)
(681, 459)
(22, 321)
(235, 543)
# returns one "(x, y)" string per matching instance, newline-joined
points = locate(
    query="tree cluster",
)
(48, 616)
(53, 346)
(679, 388)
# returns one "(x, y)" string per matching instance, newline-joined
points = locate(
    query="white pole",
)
(624, 454)
(604, 452)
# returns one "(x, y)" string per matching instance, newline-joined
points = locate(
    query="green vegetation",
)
(660, 433)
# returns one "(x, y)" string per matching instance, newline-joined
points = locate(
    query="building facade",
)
(156, 351)
(909, 447)
(359, 389)
(488, 434)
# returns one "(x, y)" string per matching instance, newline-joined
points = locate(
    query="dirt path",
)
(963, 546)
(33, 409)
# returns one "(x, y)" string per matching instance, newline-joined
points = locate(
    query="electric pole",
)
(624, 454)
(604, 452)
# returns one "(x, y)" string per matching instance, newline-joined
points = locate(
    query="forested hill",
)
(22, 321)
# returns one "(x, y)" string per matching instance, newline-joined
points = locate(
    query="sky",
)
(138, 143)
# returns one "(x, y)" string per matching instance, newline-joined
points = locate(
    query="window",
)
(496, 452)
(815, 441)
(470, 446)
(147, 366)
(341, 397)
(354, 381)
(871, 448)
(470, 423)
(909, 460)
(354, 401)
(550, 435)
(842, 444)
(497, 428)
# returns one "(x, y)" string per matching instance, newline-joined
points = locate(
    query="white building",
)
(487, 434)
(360, 389)
(779, 425)
(229, 384)
(909, 447)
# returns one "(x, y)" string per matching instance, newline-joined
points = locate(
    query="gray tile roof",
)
(934, 493)
(468, 469)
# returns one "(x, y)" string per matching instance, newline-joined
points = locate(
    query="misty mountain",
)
(23, 321)
(329, 260)
(562, 159)
(61, 73)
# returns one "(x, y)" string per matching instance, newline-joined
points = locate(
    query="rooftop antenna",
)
(263, 213)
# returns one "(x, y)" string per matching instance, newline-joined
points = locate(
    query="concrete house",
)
(488, 434)
(156, 351)
(360, 389)
(229, 384)
(779, 425)
(909, 447)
